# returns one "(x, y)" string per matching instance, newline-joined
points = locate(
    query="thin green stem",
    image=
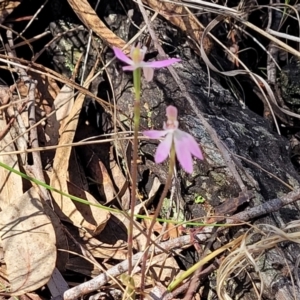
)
(137, 83)
(157, 211)
(137, 113)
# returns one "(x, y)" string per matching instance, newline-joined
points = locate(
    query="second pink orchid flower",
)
(137, 55)
(185, 145)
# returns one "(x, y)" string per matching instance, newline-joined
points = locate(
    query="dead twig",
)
(265, 208)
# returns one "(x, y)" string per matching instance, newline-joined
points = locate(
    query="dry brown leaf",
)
(138, 209)
(85, 210)
(111, 244)
(28, 240)
(172, 232)
(157, 226)
(4, 284)
(46, 90)
(90, 19)
(120, 181)
(68, 210)
(11, 186)
(61, 239)
(108, 181)
(30, 296)
(163, 269)
(62, 104)
(6, 8)
(139, 240)
(107, 190)
(83, 267)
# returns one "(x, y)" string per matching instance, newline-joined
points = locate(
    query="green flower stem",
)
(137, 83)
(136, 119)
(157, 211)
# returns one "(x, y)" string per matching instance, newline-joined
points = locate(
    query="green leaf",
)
(199, 199)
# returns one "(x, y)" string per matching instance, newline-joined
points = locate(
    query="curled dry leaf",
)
(104, 173)
(90, 217)
(111, 183)
(28, 240)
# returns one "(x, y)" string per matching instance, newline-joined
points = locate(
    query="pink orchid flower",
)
(185, 144)
(137, 55)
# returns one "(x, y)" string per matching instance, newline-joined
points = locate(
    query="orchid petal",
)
(155, 134)
(185, 146)
(148, 73)
(184, 156)
(121, 56)
(163, 149)
(195, 149)
(161, 63)
(171, 112)
(129, 68)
